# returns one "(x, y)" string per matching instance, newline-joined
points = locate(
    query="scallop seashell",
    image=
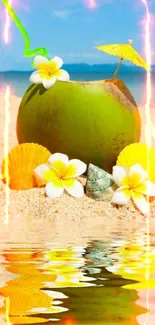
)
(22, 160)
(138, 153)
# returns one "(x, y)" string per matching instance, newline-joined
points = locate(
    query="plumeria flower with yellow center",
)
(60, 174)
(48, 71)
(133, 184)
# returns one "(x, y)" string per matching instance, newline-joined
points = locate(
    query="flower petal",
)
(40, 62)
(48, 83)
(54, 189)
(140, 202)
(121, 196)
(137, 175)
(59, 162)
(146, 188)
(61, 75)
(73, 187)
(56, 63)
(35, 78)
(75, 168)
(120, 176)
(50, 176)
(40, 170)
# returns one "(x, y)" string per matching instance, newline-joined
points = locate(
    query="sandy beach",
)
(33, 217)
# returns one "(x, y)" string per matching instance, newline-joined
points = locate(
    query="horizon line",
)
(127, 66)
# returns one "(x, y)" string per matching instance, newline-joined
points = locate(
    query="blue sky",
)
(72, 29)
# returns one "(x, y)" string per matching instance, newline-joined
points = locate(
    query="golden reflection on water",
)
(23, 287)
(136, 262)
(132, 263)
(66, 264)
(72, 285)
(8, 310)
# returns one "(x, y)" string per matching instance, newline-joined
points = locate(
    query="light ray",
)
(7, 25)
(7, 121)
(147, 32)
(6, 149)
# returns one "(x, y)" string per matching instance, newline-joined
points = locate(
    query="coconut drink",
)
(90, 121)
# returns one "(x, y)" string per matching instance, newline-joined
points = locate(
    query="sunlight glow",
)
(7, 25)
(7, 120)
(6, 148)
(7, 310)
(147, 33)
(153, 130)
(70, 321)
(91, 4)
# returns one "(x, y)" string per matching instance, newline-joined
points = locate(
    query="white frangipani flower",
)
(48, 71)
(133, 184)
(60, 174)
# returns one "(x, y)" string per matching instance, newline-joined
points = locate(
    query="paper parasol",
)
(125, 52)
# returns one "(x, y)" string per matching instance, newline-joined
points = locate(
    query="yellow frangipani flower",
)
(133, 184)
(60, 174)
(48, 71)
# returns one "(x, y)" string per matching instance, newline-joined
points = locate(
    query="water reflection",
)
(135, 260)
(67, 285)
(25, 289)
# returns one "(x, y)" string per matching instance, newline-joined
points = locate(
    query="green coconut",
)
(91, 121)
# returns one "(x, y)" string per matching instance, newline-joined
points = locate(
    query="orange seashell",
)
(21, 162)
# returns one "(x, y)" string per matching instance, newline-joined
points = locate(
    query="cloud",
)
(83, 55)
(76, 57)
(62, 14)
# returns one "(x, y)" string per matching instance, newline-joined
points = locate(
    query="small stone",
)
(98, 181)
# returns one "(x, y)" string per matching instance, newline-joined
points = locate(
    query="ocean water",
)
(136, 82)
(98, 283)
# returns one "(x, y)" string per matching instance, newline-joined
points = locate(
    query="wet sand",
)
(33, 217)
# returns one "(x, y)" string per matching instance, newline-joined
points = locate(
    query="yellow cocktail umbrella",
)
(125, 52)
